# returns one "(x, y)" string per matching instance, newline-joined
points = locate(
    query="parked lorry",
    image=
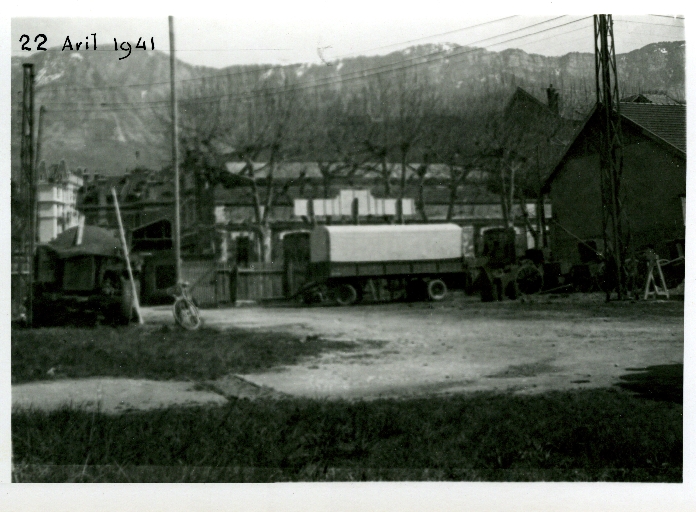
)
(82, 272)
(413, 261)
(500, 272)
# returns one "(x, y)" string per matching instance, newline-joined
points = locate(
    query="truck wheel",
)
(529, 279)
(437, 289)
(512, 291)
(415, 290)
(346, 294)
(45, 315)
(489, 291)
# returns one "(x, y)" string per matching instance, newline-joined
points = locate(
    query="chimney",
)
(552, 96)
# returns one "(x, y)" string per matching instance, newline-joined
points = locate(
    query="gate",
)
(260, 281)
(296, 255)
(209, 281)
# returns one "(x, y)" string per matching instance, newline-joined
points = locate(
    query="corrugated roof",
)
(666, 122)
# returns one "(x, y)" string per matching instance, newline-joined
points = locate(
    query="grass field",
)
(154, 352)
(593, 435)
(630, 432)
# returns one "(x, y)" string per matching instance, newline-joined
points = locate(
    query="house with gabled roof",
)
(653, 187)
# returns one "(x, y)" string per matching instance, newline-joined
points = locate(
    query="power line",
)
(428, 37)
(375, 71)
(551, 36)
(268, 66)
(650, 23)
(666, 16)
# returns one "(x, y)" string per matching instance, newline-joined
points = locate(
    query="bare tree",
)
(330, 137)
(414, 105)
(396, 111)
(249, 118)
(517, 146)
(373, 123)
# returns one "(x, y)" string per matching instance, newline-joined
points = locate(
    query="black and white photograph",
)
(448, 248)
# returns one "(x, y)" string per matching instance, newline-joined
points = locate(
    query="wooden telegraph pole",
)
(28, 189)
(610, 154)
(175, 152)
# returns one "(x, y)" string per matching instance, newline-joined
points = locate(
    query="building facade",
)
(653, 183)
(57, 193)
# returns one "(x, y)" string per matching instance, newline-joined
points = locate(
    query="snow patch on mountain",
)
(43, 77)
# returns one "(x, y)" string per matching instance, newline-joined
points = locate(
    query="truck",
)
(411, 261)
(499, 272)
(82, 272)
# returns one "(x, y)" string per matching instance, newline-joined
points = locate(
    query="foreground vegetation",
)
(607, 435)
(154, 352)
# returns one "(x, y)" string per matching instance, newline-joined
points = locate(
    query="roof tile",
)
(666, 122)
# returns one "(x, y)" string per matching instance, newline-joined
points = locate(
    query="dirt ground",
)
(462, 344)
(458, 345)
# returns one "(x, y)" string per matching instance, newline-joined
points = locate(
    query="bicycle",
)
(186, 313)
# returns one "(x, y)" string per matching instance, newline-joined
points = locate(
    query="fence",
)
(210, 281)
(260, 281)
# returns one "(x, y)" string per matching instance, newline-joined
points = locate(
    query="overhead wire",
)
(667, 16)
(266, 67)
(377, 68)
(649, 23)
(425, 37)
(360, 74)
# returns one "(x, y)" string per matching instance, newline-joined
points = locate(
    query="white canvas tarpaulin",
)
(415, 242)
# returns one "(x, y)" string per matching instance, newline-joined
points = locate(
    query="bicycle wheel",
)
(186, 314)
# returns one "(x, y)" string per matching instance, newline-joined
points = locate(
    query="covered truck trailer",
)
(413, 260)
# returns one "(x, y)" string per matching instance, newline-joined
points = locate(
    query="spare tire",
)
(437, 289)
(346, 294)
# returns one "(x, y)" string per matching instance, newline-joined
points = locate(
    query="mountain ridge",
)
(109, 115)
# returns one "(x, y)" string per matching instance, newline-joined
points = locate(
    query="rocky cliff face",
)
(109, 115)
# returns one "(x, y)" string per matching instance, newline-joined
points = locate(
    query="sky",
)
(255, 37)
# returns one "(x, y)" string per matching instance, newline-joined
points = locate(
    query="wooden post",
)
(175, 152)
(28, 181)
(136, 301)
(355, 211)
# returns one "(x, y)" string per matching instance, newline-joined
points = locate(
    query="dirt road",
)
(397, 349)
(464, 345)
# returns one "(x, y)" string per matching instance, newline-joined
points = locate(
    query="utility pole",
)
(28, 190)
(175, 152)
(37, 158)
(540, 210)
(610, 154)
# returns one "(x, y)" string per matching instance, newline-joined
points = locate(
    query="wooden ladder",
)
(652, 287)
